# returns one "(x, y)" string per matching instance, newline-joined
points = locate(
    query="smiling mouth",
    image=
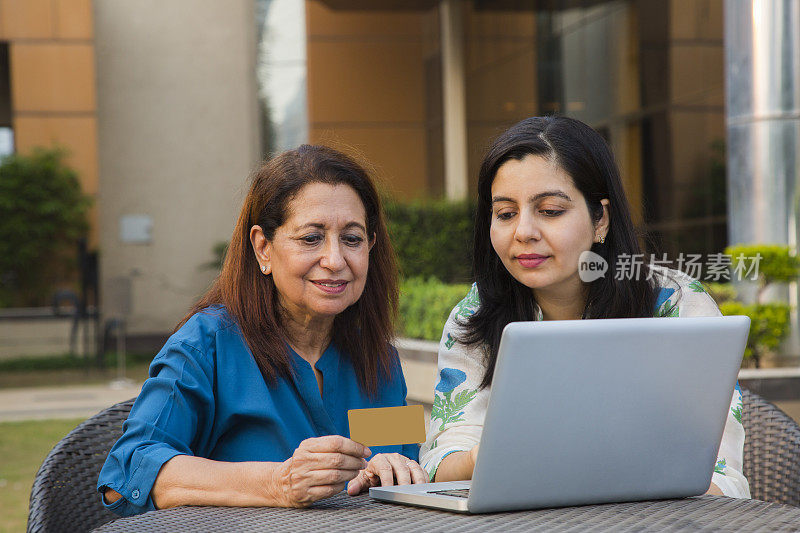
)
(331, 287)
(531, 260)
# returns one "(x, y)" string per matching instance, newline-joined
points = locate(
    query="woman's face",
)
(541, 224)
(319, 257)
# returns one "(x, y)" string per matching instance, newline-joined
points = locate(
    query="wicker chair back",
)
(771, 451)
(64, 495)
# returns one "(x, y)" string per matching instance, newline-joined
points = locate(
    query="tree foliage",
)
(43, 212)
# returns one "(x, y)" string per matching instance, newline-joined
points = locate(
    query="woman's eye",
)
(505, 215)
(311, 239)
(551, 212)
(352, 240)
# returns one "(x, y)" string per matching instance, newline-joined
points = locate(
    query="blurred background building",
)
(167, 106)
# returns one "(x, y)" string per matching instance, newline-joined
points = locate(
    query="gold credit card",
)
(385, 426)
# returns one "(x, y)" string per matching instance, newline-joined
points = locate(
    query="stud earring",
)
(264, 269)
(601, 239)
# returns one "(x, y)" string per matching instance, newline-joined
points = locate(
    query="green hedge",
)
(769, 325)
(432, 238)
(425, 305)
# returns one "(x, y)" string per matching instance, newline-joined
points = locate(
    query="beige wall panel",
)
(692, 136)
(627, 147)
(73, 19)
(324, 21)
(482, 52)
(698, 75)
(683, 19)
(503, 24)
(26, 19)
(713, 26)
(479, 137)
(396, 156)
(692, 159)
(351, 82)
(178, 136)
(696, 19)
(627, 97)
(52, 77)
(77, 134)
(504, 91)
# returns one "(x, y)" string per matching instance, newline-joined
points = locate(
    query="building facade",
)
(167, 107)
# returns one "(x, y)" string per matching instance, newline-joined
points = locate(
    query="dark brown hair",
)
(362, 331)
(583, 154)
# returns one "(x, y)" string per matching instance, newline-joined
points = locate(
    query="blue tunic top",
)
(206, 397)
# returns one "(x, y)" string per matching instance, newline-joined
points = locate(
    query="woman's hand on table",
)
(320, 467)
(386, 469)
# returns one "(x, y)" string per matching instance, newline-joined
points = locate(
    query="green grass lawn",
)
(23, 447)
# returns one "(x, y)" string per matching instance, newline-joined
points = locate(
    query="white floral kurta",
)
(460, 406)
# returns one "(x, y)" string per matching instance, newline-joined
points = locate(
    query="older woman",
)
(548, 191)
(247, 402)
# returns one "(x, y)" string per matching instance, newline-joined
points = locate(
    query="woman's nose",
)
(332, 258)
(527, 228)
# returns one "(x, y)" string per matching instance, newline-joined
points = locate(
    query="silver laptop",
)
(595, 411)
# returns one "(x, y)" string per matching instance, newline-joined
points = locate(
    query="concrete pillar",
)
(454, 97)
(762, 70)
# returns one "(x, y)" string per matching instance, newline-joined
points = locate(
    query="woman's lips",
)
(331, 287)
(531, 260)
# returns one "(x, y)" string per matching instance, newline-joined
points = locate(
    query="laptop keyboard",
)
(458, 493)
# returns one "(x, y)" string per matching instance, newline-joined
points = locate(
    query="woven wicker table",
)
(352, 514)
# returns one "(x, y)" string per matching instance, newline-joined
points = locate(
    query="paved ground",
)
(39, 403)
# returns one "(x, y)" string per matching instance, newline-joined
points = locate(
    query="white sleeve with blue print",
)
(693, 300)
(459, 405)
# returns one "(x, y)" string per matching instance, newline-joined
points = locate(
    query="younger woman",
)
(548, 191)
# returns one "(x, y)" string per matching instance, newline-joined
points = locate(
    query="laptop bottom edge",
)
(420, 499)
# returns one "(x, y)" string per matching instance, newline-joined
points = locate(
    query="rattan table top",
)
(360, 513)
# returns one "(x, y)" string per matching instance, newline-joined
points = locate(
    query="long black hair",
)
(586, 157)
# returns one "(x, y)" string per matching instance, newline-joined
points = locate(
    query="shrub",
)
(425, 306)
(769, 322)
(218, 251)
(721, 292)
(769, 325)
(44, 213)
(432, 238)
(777, 263)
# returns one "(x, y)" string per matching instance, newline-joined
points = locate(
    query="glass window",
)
(6, 133)
(281, 74)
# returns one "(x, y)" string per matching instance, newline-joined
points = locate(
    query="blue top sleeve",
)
(175, 405)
